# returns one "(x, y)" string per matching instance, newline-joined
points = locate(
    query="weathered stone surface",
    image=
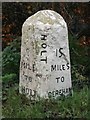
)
(45, 61)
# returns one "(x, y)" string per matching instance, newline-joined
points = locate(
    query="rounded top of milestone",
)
(45, 17)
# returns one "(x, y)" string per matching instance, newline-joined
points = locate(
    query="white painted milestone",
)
(45, 61)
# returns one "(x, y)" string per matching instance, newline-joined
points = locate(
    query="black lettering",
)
(26, 77)
(56, 92)
(60, 52)
(67, 66)
(43, 37)
(44, 51)
(58, 79)
(25, 65)
(59, 67)
(44, 45)
(60, 92)
(63, 67)
(67, 90)
(53, 67)
(63, 90)
(62, 79)
(56, 52)
(44, 59)
(27, 90)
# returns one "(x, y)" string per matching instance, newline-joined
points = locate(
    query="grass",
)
(16, 105)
